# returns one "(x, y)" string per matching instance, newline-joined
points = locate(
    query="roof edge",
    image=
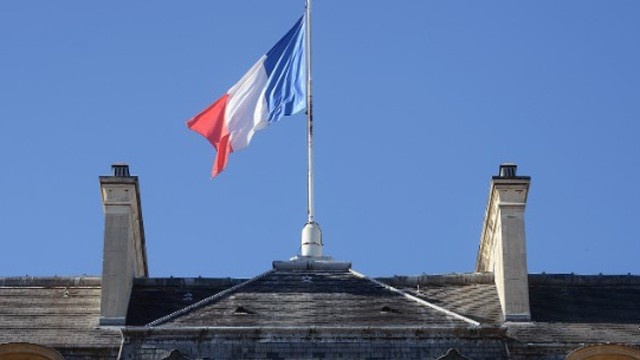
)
(187, 281)
(439, 280)
(375, 331)
(582, 280)
(50, 281)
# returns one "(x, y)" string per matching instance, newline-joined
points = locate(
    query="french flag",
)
(273, 87)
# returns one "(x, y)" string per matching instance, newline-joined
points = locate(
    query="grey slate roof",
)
(471, 295)
(56, 312)
(311, 298)
(578, 309)
(157, 297)
(585, 299)
(567, 310)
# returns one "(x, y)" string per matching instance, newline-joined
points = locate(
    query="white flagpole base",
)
(311, 240)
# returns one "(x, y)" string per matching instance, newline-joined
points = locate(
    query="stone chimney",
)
(125, 255)
(502, 243)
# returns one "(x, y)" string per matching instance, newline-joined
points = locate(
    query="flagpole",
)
(311, 233)
(310, 198)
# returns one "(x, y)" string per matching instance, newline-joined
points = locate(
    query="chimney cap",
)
(508, 170)
(120, 170)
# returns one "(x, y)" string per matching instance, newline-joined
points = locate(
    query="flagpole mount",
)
(311, 240)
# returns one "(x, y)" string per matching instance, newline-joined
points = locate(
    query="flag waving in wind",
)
(272, 88)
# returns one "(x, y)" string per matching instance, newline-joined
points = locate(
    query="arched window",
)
(25, 351)
(605, 352)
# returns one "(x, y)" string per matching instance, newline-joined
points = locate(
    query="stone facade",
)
(310, 343)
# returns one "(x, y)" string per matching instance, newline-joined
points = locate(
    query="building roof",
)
(585, 299)
(153, 298)
(56, 312)
(471, 295)
(565, 309)
(582, 308)
(311, 298)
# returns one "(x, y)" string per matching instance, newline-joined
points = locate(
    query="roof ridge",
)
(207, 300)
(416, 299)
(438, 279)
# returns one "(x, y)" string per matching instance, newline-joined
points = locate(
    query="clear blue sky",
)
(416, 105)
